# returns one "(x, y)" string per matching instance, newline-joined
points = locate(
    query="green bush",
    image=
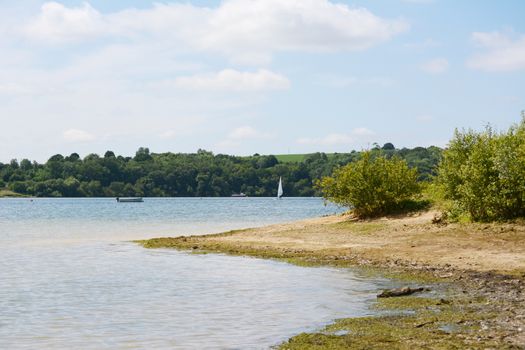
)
(18, 187)
(372, 186)
(483, 173)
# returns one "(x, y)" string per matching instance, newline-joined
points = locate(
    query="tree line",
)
(199, 174)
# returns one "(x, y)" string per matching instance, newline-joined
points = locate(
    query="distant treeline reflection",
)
(197, 174)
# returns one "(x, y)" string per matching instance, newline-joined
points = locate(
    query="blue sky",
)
(247, 76)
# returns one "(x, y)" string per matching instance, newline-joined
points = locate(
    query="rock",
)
(447, 275)
(439, 219)
(398, 292)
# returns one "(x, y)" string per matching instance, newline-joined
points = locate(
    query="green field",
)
(290, 158)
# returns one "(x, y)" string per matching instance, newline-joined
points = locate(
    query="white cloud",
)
(230, 79)
(435, 66)
(296, 25)
(362, 132)
(490, 40)
(148, 69)
(13, 89)
(179, 127)
(246, 132)
(58, 23)
(244, 30)
(333, 139)
(242, 136)
(76, 135)
(168, 134)
(502, 53)
(227, 145)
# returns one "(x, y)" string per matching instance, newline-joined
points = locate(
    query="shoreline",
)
(481, 266)
(5, 193)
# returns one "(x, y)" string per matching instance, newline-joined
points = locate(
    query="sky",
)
(254, 76)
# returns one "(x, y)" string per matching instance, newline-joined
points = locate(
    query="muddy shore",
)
(478, 271)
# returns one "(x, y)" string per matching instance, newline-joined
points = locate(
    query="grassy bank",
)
(479, 269)
(8, 193)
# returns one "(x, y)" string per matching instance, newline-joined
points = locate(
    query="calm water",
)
(69, 277)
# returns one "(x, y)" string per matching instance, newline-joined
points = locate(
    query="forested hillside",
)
(198, 174)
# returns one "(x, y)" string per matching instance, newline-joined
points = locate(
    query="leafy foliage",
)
(372, 185)
(175, 174)
(483, 173)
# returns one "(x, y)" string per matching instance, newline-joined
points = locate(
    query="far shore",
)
(4, 193)
(479, 268)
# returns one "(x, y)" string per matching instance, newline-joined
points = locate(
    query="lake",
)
(70, 277)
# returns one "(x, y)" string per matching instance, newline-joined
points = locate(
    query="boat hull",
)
(130, 200)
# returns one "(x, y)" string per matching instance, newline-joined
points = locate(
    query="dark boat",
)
(130, 200)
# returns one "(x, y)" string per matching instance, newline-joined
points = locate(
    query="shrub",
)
(18, 187)
(372, 186)
(483, 173)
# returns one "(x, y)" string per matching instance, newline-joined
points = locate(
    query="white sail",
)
(280, 189)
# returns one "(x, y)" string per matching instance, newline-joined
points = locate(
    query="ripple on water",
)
(90, 290)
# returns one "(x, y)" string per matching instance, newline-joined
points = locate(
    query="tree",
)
(483, 173)
(116, 189)
(14, 164)
(26, 165)
(56, 158)
(371, 186)
(18, 187)
(71, 187)
(73, 157)
(142, 155)
(91, 189)
(266, 161)
(201, 173)
(388, 146)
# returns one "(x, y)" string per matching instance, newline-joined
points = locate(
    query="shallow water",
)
(104, 219)
(69, 277)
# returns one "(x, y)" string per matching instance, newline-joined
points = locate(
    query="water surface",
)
(105, 219)
(70, 277)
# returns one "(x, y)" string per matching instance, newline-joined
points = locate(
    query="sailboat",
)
(280, 188)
